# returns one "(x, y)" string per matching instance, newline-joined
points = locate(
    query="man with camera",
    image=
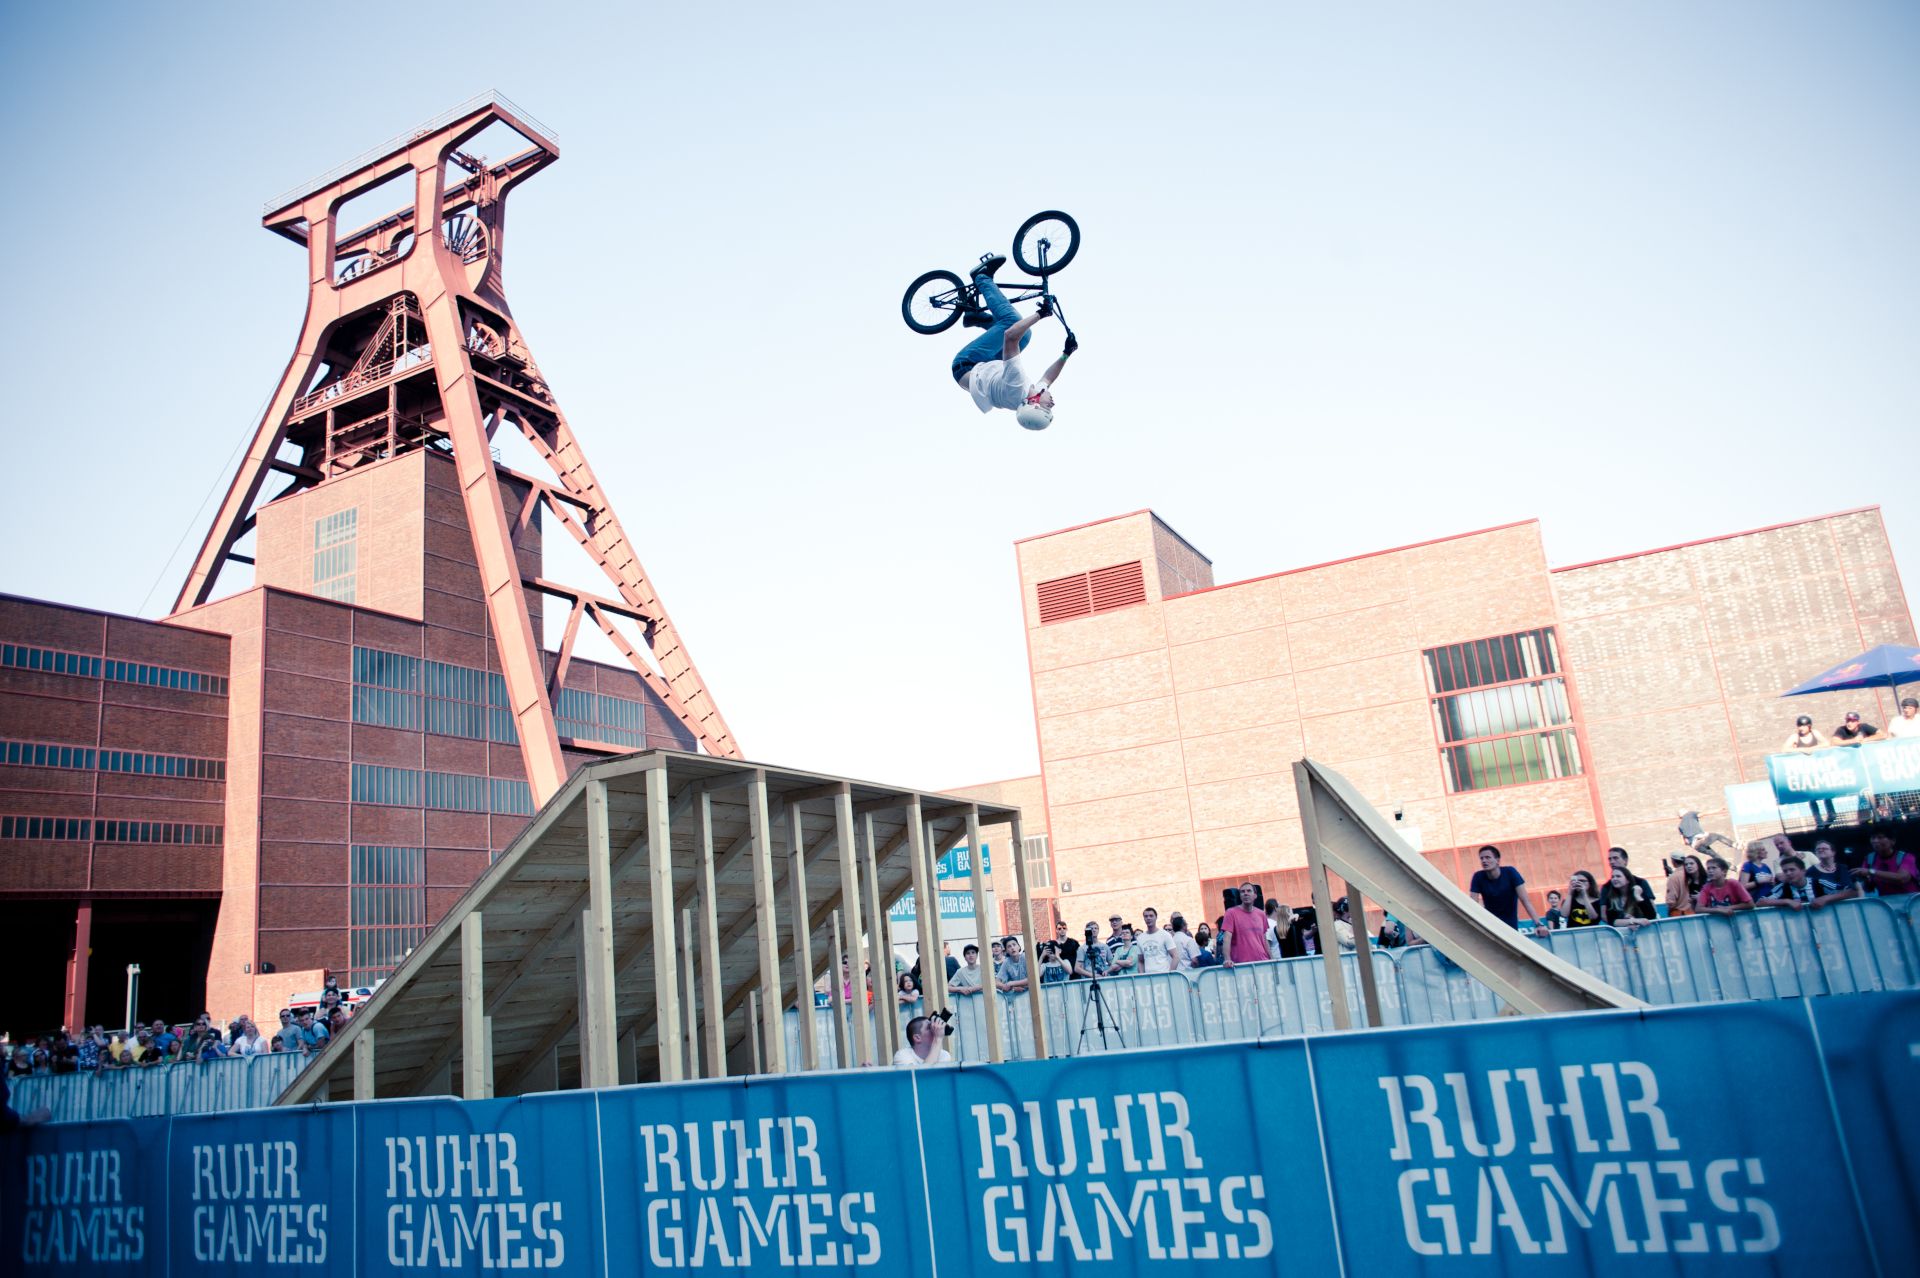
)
(924, 1035)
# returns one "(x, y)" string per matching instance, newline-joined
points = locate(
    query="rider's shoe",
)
(976, 319)
(988, 265)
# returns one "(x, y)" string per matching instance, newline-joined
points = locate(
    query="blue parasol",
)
(1888, 665)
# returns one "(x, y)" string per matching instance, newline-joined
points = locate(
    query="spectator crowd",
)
(94, 1049)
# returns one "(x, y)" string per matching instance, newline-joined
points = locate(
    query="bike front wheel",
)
(1046, 242)
(932, 304)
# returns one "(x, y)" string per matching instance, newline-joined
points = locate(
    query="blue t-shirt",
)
(1501, 896)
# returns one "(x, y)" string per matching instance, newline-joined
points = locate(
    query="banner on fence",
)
(1812, 775)
(1611, 1142)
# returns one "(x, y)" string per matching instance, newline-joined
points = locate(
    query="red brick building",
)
(1462, 683)
(299, 777)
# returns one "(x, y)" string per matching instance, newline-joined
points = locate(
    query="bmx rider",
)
(988, 367)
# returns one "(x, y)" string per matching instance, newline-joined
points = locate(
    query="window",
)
(48, 661)
(443, 791)
(40, 754)
(387, 909)
(37, 754)
(393, 690)
(396, 787)
(1501, 711)
(83, 830)
(1039, 858)
(1085, 593)
(335, 556)
(596, 716)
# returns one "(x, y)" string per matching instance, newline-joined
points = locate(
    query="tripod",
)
(1097, 1005)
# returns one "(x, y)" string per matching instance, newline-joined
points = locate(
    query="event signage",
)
(1839, 772)
(953, 905)
(1580, 1144)
(1892, 766)
(1811, 775)
(957, 863)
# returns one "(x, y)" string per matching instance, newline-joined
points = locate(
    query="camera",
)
(945, 1018)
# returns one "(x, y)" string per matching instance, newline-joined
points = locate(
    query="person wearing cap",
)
(1805, 737)
(1908, 724)
(1852, 730)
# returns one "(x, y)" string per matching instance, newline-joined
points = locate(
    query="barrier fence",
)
(1862, 946)
(1577, 1144)
(205, 1087)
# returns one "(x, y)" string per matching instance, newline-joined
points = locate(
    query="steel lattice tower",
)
(409, 344)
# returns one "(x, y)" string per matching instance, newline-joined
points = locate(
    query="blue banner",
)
(1810, 775)
(85, 1198)
(1892, 766)
(246, 1196)
(1615, 1143)
(807, 1176)
(1872, 1050)
(957, 863)
(1205, 1157)
(1608, 1141)
(452, 1187)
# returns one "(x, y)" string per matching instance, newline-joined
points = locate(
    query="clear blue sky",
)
(1647, 271)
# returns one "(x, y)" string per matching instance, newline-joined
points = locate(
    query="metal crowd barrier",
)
(205, 1087)
(1854, 947)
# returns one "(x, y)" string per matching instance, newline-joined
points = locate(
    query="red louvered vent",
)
(1064, 597)
(1118, 587)
(1084, 593)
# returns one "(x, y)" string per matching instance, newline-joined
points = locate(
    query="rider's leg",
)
(992, 344)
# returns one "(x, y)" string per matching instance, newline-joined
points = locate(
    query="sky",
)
(1351, 277)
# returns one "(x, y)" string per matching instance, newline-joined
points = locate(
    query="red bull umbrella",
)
(1888, 665)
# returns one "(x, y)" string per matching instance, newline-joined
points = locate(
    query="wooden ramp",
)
(652, 923)
(1346, 835)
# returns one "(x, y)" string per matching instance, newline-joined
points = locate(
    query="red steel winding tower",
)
(409, 345)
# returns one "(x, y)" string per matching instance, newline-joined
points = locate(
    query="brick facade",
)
(284, 730)
(1167, 730)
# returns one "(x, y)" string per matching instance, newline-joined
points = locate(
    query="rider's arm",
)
(1018, 331)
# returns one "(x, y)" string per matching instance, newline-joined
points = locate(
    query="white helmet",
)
(1033, 417)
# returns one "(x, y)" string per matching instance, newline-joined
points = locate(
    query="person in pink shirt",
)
(1889, 871)
(1245, 927)
(1721, 895)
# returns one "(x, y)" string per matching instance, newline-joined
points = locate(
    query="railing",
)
(204, 1087)
(1854, 947)
(493, 97)
(353, 383)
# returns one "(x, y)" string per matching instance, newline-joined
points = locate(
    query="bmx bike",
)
(1043, 245)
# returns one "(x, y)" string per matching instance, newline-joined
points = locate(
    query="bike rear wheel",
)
(1052, 235)
(933, 302)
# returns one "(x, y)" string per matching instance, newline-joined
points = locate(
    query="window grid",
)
(88, 830)
(387, 909)
(42, 754)
(52, 661)
(1501, 711)
(336, 554)
(393, 690)
(442, 791)
(596, 716)
(1039, 858)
